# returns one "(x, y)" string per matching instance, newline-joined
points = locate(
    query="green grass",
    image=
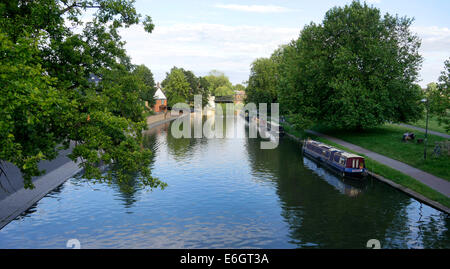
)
(382, 170)
(386, 140)
(433, 125)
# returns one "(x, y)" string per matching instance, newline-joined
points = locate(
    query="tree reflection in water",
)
(325, 212)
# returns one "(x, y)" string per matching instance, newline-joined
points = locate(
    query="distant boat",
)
(267, 129)
(346, 164)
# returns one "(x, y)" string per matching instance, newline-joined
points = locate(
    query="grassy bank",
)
(382, 170)
(433, 125)
(386, 140)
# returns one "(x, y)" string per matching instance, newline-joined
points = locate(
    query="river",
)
(229, 193)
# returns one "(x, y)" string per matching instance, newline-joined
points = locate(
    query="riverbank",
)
(14, 203)
(387, 141)
(387, 174)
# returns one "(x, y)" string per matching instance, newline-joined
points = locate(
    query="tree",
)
(32, 111)
(197, 87)
(148, 87)
(357, 69)
(239, 87)
(262, 83)
(218, 80)
(439, 97)
(203, 90)
(47, 99)
(176, 87)
(193, 84)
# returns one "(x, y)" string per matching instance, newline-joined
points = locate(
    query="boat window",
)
(357, 163)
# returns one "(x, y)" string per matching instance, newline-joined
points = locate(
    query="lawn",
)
(386, 140)
(433, 125)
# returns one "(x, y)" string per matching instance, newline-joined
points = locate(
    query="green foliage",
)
(175, 99)
(198, 86)
(148, 89)
(223, 91)
(439, 97)
(32, 114)
(194, 84)
(176, 87)
(357, 69)
(219, 84)
(262, 84)
(203, 90)
(47, 100)
(239, 87)
(182, 85)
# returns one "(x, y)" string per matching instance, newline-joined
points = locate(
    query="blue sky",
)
(202, 35)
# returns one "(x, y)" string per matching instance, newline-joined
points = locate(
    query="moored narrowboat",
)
(346, 164)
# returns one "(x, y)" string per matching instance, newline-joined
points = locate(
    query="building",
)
(160, 100)
(239, 97)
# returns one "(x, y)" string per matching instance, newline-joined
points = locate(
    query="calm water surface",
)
(228, 193)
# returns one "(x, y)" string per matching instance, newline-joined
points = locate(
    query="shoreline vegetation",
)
(379, 169)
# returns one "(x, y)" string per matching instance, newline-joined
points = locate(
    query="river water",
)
(229, 193)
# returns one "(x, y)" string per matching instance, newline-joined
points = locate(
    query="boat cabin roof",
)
(332, 149)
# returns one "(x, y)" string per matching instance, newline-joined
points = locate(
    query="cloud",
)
(201, 47)
(436, 39)
(254, 8)
(435, 50)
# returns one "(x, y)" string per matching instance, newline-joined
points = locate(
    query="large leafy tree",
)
(47, 100)
(203, 90)
(197, 85)
(356, 69)
(262, 83)
(439, 97)
(148, 87)
(219, 84)
(176, 87)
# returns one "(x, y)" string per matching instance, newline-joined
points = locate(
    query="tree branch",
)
(74, 5)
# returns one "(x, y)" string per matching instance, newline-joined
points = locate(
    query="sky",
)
(203, 35)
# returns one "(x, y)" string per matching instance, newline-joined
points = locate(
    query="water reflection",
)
(324, 211)
(351, 188)
(229, 193)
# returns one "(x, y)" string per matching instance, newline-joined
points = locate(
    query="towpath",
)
(423, 130)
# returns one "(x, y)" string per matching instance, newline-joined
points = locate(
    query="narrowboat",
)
(346, 164)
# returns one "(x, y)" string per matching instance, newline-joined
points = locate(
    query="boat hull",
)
(340, 170)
